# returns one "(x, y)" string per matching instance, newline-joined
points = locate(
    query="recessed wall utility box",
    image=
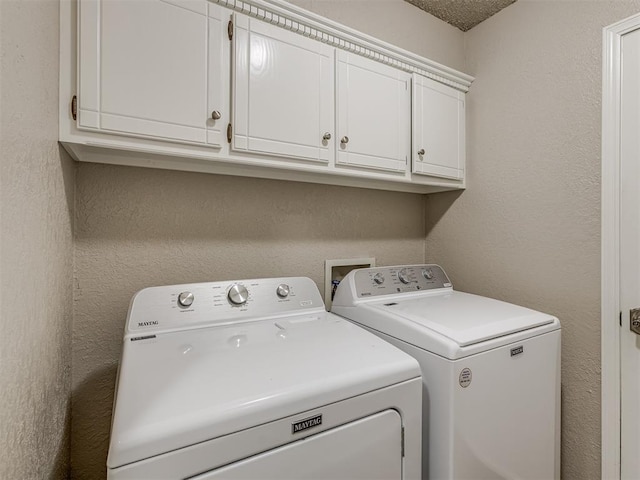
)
(335, 270)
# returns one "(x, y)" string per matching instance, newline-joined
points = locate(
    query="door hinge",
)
(230, 29)
(229, 132)
(402, 442)
(620, 318)
(74, 107)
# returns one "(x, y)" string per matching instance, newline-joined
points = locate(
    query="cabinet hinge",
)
(402, 442)
(230, 29)
(74, 107)
(229, 132)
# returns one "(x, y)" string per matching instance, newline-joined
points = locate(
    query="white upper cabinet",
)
(373, 114)
(438, 129)
(152, 68)
(282, 93)
(258, 88)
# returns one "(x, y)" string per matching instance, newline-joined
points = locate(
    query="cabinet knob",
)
(344, 139)
(326, 136)
(421, 151)
(216, 115)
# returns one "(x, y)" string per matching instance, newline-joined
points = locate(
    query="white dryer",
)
(491, 371)
(253, 379)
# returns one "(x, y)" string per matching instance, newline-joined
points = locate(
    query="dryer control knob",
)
(378, 278)
(403, 276)
(238, 294)
(185, 299)
(283, 290)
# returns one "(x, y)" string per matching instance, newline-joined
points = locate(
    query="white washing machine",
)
(253, 379)
(491, 371)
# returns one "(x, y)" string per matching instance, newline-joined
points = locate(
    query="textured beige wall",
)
(36, 201)
(527, 229)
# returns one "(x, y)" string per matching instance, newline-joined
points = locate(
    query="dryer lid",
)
(177, 389)
(464, 318)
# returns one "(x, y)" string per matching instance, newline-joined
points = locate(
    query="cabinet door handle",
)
(326, 136)
(216, 115)
(344, 139)
(421, 152)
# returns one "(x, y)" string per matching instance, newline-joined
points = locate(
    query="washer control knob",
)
(403, 276)
(283, 290)
(238, 294)
(185, 299)
(427, 273)
(378, 278)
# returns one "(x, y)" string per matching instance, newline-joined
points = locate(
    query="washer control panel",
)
(176, 307)
(371, 282)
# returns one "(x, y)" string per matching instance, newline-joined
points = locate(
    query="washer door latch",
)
(634, 323)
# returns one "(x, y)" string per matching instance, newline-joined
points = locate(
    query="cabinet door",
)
(374, 114)
(152, 68)
(283, 92)
(438, 129)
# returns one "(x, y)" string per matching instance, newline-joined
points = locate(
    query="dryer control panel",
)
(370, 282)
(176, 307)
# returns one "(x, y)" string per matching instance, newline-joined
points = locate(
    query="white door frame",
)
(610, 269)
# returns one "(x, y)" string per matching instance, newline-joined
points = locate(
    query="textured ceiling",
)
(464, 14)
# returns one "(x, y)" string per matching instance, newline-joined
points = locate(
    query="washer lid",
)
(464, 318)
(177, 389)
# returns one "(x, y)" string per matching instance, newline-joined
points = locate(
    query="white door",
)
(374, 111)
(367, 449)
(621, 249)
(630, 253)
(282, 92)
(152, 68)
(438, 146)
